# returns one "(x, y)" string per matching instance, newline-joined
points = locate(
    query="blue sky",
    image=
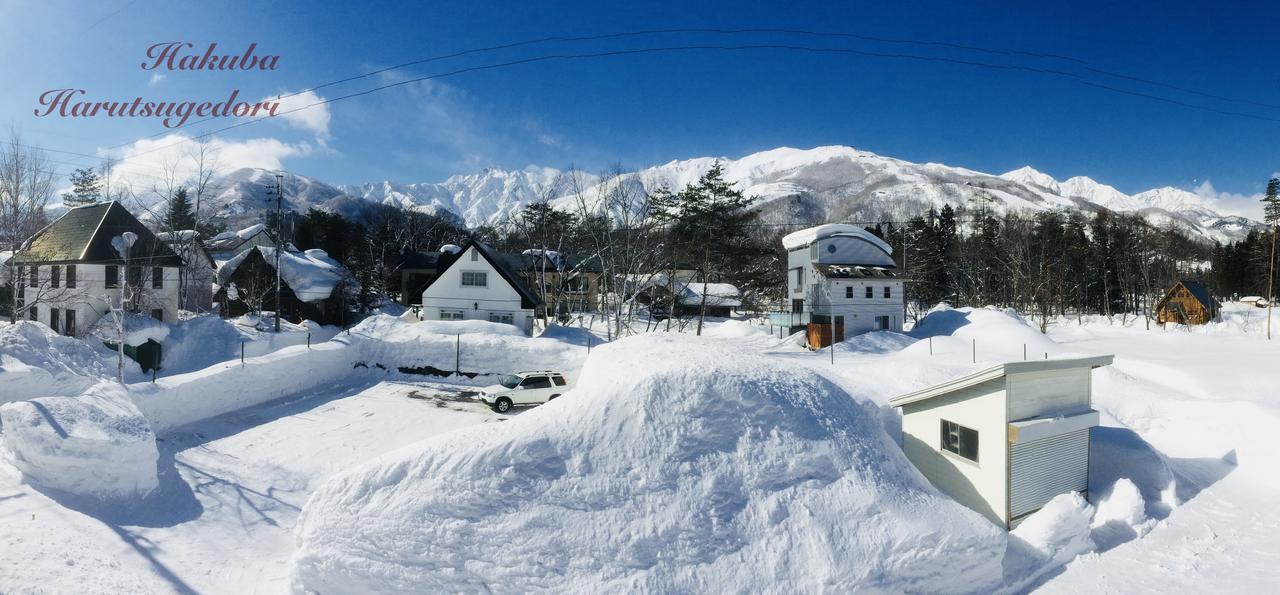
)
(639, 110)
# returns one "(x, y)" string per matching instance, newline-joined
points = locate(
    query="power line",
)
(667, 49)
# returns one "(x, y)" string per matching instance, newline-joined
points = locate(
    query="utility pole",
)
(1271, 276)
(279, 192)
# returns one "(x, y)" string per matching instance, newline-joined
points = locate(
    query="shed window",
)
(475, 279)
(960, 440)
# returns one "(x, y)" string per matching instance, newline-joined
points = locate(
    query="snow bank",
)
(138, 329)
(676, 464)
(97, 445)
(999, 333)
(378, 346)
(37, 362)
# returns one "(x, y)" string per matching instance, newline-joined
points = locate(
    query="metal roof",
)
(1000, 371)
(84, 234)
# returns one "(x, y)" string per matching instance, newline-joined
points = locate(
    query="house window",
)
(475, 255)
(135, 276)
(54, 319)
(158, 314)
(887, 292)
(157, 278)
(501, 317)
(475, 279)
(70, 327)
(870, 292)
(848, 292)
(960, 440)
(882, 323)
(797, 306)
(451, 315)
(32, 313)
(55, 276)
(113, 276)
(71, 276)
(33, 280)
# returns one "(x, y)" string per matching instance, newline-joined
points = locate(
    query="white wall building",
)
(846, 272)
(1005, 440)
(70, 275)
(474, 285)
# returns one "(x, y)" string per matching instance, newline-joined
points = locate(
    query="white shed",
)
(1005, 440)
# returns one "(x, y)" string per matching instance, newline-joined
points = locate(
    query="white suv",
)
(524, 388)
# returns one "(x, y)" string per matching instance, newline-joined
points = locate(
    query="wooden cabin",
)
(1187, 302)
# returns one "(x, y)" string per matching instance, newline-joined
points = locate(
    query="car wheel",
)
(502, 405)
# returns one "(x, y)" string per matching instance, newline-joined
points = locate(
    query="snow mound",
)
(1058, 532)
(1123, 503)
(876, 342)
(998, 333)
(37, 362)
(97, 445)
(703, 468)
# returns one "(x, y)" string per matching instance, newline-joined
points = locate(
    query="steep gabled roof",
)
(84, 234)
(528, 299)
(1198, 290)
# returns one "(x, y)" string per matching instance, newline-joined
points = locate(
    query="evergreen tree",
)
(86, 188)
(179, 215)
(711, 224)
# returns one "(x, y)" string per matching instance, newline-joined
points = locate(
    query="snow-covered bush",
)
(676, 464)
(96, 445)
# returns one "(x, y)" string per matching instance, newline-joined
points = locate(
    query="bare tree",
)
(27, 182)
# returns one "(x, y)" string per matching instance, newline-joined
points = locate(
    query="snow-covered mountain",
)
(818, 185)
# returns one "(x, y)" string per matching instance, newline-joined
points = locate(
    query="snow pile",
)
(96, 445)
(998, 334)
(703, 468)
(1123, 504)
(37, 362)
(471, 346)
(1053, 535)
(138, 329)
(804, 237)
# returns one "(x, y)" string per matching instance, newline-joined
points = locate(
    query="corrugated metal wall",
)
(1043, 469)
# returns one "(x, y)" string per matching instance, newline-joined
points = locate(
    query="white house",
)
(845, 272)
(70, 274)
(473, 284)
(654, 290)
(1005, 440)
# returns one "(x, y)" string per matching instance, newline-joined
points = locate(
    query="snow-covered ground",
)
(1188, 420)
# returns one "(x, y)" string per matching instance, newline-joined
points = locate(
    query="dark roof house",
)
(84, 235)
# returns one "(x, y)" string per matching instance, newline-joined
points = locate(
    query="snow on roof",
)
(181, 234)
(718, 294)
(138, 329)
(312, 275)
(450, 249)
(804, 237)
(999, 371)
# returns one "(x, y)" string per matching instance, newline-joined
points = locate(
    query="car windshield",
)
(510, 381)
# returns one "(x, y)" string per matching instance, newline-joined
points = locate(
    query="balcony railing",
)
(783, 318)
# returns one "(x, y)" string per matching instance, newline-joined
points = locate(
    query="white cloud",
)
(311, 115)
(1231, 203)
(156, 162)
(155, 79)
